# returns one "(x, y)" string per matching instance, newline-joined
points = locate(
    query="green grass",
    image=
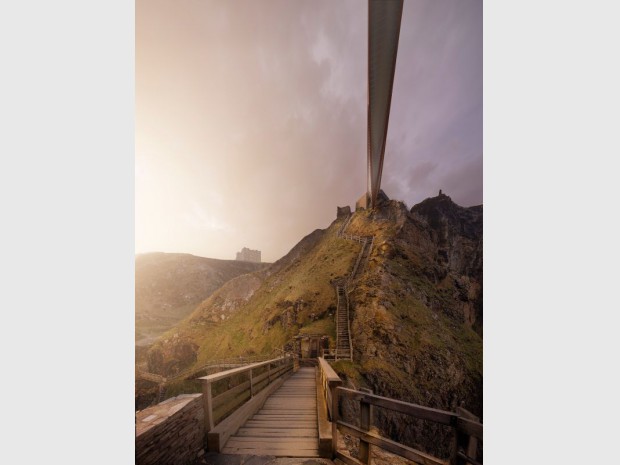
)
(257, 326)
(349, 370)
(325, 326)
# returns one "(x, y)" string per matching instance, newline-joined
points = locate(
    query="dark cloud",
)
(251, 117)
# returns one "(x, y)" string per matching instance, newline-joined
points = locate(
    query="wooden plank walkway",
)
(286, 426)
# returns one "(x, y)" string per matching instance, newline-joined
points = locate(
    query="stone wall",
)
(362, 203)
(171, 432)
(343, 211)
(249, 255)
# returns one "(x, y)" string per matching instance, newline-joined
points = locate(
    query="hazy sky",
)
(251, 117)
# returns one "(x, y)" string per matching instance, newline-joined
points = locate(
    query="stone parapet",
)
(171, 432)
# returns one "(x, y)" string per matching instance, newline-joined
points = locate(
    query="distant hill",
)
(416, 319)
(168, 286)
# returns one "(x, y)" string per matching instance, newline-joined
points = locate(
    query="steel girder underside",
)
(384, 18)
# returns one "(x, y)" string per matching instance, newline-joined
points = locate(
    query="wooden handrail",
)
(465, 425)
(345, 224)
(329, 382)
(370, 437)
(233, 397)
(234, 371)
(327, 371)
(141, 374)
(413, 410)
(220, 362)
(346, 301)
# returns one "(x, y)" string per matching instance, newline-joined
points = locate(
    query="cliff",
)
(416, 310)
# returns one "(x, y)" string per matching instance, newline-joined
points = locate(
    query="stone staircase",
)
(343, 337)
(344, 346)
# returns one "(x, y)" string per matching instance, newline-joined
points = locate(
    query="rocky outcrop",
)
(456, 233)
(174, 355)
(343, 211)
(228, 299)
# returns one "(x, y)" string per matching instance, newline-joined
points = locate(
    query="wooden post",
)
(251, 384)
(268, 373)
(463, 441)
(334, 391)
(472, 442)
(454, 457)
(365, 421)
(208, 406)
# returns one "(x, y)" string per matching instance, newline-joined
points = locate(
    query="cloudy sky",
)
(251, 117)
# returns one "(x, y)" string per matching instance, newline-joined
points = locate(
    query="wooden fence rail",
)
(467, 429)
(329, 381)
(259, 375)
(232, 361)
(231, 397)
(360, 239)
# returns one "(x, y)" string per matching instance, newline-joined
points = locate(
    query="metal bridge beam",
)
(384, 17)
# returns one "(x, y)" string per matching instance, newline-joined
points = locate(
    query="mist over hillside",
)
(416, 304)
(168, 286)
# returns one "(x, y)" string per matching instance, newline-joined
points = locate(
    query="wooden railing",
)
(231, 362)
(153, 377)
(345, 223)
(351, 237)
(467, 430)
(231, 390)
(329, 382)
(367, 243)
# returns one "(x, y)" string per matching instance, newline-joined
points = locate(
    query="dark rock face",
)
(382, 197)
(449, 220)
(457, 235)
(173, 357)
(417, 325)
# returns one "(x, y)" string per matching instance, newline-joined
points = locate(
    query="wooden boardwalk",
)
(286, 426)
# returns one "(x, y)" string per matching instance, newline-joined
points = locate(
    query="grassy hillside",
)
(169, 286)
(416, 310)
(262, 311)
